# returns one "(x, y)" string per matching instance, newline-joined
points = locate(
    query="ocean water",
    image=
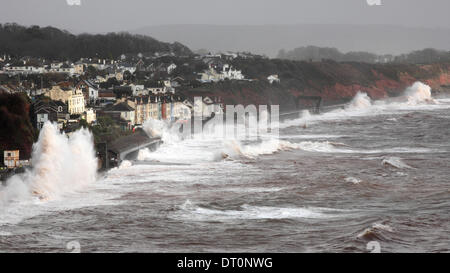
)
(372, 171)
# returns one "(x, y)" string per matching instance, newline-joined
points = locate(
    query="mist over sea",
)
(371, 171)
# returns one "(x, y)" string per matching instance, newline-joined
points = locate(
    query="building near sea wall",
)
(90, 115)
(48, 110)
(11, 159)
(124, 112)
(89, 90)
(57, 93)
(106, 96)
(180, 111)
(169, 107)
(146, 107)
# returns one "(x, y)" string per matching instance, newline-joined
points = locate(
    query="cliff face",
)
(381, 87)
(334, 82)
(16, 131)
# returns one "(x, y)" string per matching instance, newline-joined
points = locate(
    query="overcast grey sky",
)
(116, 15)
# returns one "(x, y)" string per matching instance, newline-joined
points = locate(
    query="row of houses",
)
(128, 112)
(135, 111)
(25, 68)
(74, 100)
(58, 112)
(128, 106)
(93, 95)
(112, 68)
(219, 69)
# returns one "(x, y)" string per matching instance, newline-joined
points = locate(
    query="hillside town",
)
(123, 93)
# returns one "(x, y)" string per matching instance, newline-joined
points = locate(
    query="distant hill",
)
(314, 53)
(53, 43)
(269, 39)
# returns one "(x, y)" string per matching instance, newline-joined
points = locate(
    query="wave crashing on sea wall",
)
(60, 165)
(419, 93)
(360, 101)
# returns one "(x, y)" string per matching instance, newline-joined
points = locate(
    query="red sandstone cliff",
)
(334, 82)
(381, 87)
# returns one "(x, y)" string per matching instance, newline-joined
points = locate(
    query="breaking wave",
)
(419, 93)
(247, 212)
(323, 147)
(4, 233)
(234, 149)
(60, 165)
(395, 162)
(125, 164)
(360, 101)
(352, 180)
(212, 146)
(214, 143)
(375, 232)
(160, 128)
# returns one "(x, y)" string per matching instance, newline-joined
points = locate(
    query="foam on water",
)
(234, 149)
(416, 97)
(352, 180)
(125, 164)
(336, 147)
(307, 136)
(395, 162)
(100, 194)
(360, 101)
(375, 231)
(443, 100)
(189, 151)
(160, 128)
(4, 233)
(193, 212)
(200, 151)
(243, 189)
(212, 144)
(322, 147)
